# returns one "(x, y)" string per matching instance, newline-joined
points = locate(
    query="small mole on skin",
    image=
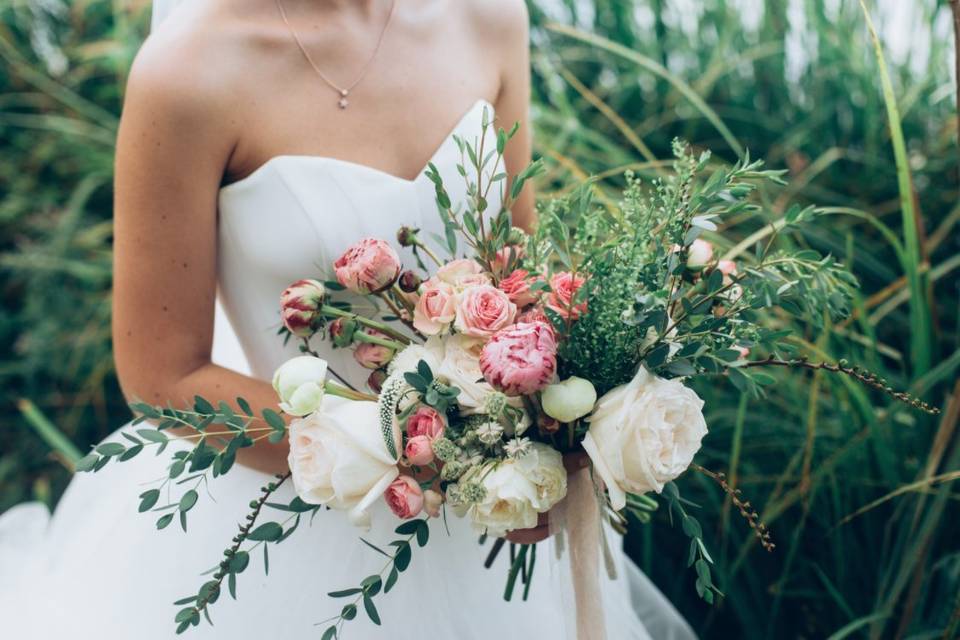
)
(129, 333)
(164, 307)
(184, 265)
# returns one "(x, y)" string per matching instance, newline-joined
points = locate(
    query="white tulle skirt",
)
(98, 569)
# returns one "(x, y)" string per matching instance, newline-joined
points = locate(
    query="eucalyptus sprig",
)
(219, 434)
(372, 585)
(698, 557)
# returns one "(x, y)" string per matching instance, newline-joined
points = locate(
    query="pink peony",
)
(426, 421)
(483, 310)
(517, 288)
(564, 287)
(419, 450)
(369, 355)
(435, 309)
(521, 359)
(299, 304)
(404, 497)
(369, 266)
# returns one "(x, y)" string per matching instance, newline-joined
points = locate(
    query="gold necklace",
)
(342, 92)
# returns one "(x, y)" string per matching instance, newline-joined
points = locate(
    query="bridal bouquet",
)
(491, 364)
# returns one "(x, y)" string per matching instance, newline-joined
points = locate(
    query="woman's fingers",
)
(576, 461)
(538, 533)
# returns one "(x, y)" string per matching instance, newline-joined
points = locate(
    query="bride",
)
(259, 139)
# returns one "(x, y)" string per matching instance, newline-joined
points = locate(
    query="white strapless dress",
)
(97, 569)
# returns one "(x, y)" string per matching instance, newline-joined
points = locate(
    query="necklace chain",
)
(343, 92)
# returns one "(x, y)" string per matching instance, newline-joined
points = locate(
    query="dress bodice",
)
(294, 215)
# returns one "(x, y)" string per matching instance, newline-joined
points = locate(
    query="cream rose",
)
(644, 434)
(516, 491)
(460, 368)
(338, 457)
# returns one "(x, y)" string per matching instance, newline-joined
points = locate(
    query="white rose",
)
(299, 383)
(518, 490)
(568, 400)
(543, 466)
(430, 352)
(338, 457)
(644, 434)
(461, 368)
(509, 502)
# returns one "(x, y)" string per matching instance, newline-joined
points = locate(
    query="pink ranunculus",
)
(372, 356)
(534, 314)
(455, 271)
(419, 450)
(404, 497)
(432, 501)
(521, 359)
(426, 421)
(483, 310)
(436, 308)
(564, 286)
(299, 305)
(369, 266)
(517, 288)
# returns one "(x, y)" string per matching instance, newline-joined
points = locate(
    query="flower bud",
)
(369, 266)
(410, 281)
(568, 400)
(699, 254)
(299, 382)
(516, 237)
(376, 379)
(407, 236)
(342, 330)
(299, 305)
(370, 355)
(432, 500)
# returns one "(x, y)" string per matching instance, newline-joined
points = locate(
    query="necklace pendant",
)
(343, 103)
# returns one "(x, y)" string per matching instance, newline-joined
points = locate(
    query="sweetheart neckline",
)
(349, 163)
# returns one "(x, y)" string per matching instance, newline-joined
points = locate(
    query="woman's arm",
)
(513, 101)
(173, 145)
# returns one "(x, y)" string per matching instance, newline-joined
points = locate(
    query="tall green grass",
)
(861, 495)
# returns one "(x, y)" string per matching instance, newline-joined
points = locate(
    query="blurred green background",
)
(861, 495)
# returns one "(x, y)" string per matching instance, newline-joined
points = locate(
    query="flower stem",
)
(334, 312)
(335, 389)
(383, 342)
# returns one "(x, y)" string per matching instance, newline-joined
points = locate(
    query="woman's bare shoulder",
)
(193, 62)
(499, 20)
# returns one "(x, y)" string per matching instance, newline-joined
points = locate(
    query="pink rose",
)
(564, 287)
(435, 309)
(419, 450)
(432, 500)
(369, 266)
(521, 359)
(517, 288)
(404, 497)
(483, 310)
(426, 421)
(454, 272)
(370, 355)
(299, 304)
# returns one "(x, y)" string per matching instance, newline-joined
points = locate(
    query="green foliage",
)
(710, 74)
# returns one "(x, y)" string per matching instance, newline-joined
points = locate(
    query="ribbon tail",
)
(579, 519)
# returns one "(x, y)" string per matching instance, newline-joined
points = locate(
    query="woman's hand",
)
(574, 462)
